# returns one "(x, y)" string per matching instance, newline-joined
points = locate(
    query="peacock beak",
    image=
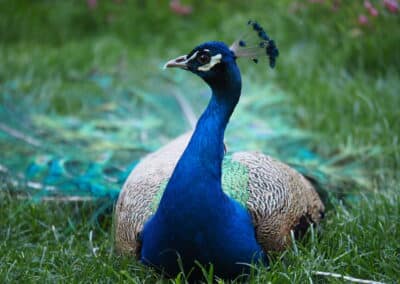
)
(180, 62)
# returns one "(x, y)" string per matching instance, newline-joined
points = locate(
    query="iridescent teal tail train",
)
(48, 154)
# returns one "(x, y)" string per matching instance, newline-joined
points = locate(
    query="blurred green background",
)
(87, 75)
(341, 76)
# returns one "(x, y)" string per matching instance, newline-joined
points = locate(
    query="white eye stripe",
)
(192, 57)
(214, 60)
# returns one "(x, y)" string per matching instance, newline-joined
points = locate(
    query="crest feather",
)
(254, 44)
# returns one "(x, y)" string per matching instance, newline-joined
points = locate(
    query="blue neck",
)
(207, 143)
(202, 159)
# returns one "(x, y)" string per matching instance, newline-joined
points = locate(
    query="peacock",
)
(57, 157)
(190, 203)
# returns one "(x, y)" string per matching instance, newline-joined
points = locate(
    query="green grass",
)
(38, 246)
(342, 82)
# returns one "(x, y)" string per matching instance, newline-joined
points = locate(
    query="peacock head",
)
(215, 62)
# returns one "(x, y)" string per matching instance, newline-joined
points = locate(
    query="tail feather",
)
(339, 177)
(90, 155)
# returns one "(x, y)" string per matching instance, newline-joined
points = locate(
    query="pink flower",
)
(363, 20)
(91, 4)
(368, 5)
(177, 7)
(371, 9)
(391, 5)
(373, 12)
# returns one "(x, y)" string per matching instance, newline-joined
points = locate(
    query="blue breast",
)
(217, 231)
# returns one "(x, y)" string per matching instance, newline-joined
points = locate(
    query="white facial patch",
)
(214, 60)
(191, 57)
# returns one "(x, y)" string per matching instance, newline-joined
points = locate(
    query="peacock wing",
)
(141, 192)
(278, 198)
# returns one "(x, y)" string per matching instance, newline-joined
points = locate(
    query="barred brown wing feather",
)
(279, 199)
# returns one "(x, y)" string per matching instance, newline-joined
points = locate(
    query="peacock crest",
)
(256, 43)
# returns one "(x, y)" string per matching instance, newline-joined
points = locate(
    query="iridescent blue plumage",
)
(195, 218)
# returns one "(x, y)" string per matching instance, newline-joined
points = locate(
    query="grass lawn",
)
(341, 79)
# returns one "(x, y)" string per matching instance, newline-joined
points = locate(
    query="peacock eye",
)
(204, 58)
